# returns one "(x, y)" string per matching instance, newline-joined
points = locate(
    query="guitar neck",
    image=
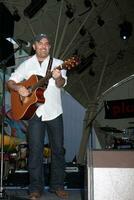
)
(44, 80)
(68, 64)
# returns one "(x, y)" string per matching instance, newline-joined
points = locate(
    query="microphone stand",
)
(3, 63)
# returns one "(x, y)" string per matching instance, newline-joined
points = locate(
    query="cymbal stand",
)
(3, 194)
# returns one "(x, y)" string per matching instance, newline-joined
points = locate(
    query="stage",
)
(15, 184)
(22, 194)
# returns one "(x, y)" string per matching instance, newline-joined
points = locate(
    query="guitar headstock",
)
(71, 62)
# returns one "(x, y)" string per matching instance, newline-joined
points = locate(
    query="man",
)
(47, 115)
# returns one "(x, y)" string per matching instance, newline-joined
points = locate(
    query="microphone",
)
(23, 43)
(19, 42)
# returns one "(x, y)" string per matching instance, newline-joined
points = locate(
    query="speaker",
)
(110, 175)
(20, 177)
(6, 30)
(74, 176)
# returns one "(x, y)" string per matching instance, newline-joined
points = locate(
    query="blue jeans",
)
(36, 134)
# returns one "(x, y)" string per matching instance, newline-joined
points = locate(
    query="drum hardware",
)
(15, 159)
(10, 143)
(9, 154)
(111, 129)
(22, 156)
(116, 138)
(129, 132)
(123, 143)
(47, 154)
(6, 164)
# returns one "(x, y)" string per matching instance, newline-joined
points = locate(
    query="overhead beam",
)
(89, 119)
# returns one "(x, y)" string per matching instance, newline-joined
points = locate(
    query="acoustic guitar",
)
(23, 108)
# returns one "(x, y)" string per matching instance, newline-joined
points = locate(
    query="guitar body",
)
(24, 108)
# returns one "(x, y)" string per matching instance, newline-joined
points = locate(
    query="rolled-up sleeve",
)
(63, 72)
(19, 74)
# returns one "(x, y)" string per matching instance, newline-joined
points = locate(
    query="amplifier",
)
(74, 176)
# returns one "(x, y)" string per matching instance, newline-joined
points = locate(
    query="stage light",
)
(70, 11)
(16, 16)
(83, 31)
(33, 7)
(91, 72)
(88, 3)
(100, 21)
(125, 30)
(92, 43)
(120, 54)
(86, 62)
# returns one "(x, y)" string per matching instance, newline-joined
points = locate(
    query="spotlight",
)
(33, 8)
(125, 30)
(76, 52)
(100, 21)
(120, 54)
(88, 3)
(83, 31)
(91, 72)
(70, 11)
(16, 16)
(92, 43)
(86, 62)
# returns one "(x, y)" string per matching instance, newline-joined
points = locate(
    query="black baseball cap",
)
(39, 37)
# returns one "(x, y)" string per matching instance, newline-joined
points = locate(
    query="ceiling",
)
(112, 58)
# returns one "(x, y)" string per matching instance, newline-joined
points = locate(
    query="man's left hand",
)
(56, 74)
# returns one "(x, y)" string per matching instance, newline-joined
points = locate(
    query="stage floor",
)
(21, 194)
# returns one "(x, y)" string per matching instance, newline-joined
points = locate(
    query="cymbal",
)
(10, 142)
(131, 127)
(111, 129)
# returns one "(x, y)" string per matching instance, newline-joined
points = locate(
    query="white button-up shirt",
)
(52, 107)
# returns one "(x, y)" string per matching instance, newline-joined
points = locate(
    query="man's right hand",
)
(23, 91)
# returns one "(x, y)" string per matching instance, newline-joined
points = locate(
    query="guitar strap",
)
(48, 70)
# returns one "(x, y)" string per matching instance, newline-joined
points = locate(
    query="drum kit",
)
(119, 139)
(15, 155)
